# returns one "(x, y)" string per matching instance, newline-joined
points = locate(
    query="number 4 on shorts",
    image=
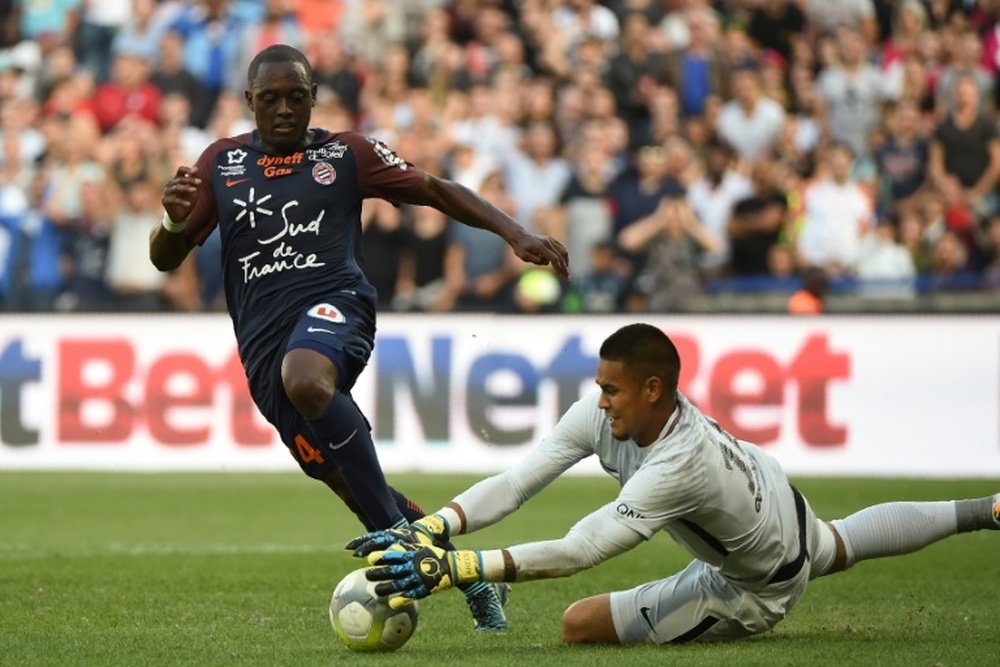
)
(307, 453)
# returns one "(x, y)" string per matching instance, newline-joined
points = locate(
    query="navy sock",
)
(343, 433)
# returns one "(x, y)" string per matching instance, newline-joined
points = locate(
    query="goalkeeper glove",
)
(410, 572)
(426, 531)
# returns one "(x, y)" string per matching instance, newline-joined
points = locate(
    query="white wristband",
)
(174, 227)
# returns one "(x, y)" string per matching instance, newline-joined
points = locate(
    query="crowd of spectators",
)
(674, 146)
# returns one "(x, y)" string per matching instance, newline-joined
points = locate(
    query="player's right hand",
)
(430, 530)
(543, 251)
(415, 573)
(181, 193)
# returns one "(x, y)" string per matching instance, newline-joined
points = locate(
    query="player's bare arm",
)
(464, 205)
(167, 245)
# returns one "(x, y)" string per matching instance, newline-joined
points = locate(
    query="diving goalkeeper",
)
(755, 540)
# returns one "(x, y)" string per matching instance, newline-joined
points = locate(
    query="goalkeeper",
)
(755, 540)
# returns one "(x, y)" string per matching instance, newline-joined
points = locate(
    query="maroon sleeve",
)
(204, 217)
(382, 173)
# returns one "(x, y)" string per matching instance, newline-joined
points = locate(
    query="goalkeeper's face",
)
(632, 405)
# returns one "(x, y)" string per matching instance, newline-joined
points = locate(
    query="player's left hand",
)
(542, 250)
(427, 530)
(416, 572)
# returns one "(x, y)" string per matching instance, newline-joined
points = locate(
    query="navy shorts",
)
(341, 328)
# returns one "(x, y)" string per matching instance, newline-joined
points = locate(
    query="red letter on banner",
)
(160, 400)
(726, 400)
(814, 368)
(75, 356)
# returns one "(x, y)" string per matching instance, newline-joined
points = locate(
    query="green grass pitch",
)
(225, 569)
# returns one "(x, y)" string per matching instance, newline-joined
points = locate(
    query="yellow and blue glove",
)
(415, 572)
(430, 530)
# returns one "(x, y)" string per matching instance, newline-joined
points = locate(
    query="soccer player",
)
(287, 201)
(755, 540)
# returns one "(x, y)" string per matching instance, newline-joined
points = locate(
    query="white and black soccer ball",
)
(364, 621)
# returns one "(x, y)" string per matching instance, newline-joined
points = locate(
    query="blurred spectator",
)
(320, 17)
(640, 190)
(757, 221)
(87, 243)
(171, 77)
(367, 27)
(671, 240)
(902, 159)
(884, 265)
(45, 273)
(70, 165)
(965, 151)
(837, 214)
(698, 72)
(13, 218)
(479, 266)
(857, 15)
(582, 218)
(713, 197)
(909, 23)
(481, 57)
(384, 237)
(144, 29)
(852, 91)
(602, 288)
(949, 270)
(966, 62)
(279, 25)
(809, 300)
(129, 93)
(536, 175)
(130, 155)
(492, 136)
(100, 21)
(750, 122)
(212, 31)
(333, 70)
(135, 283)
(577, 18)
(23, 144)
(777, 25)
(51, 23)
(422, 285)
(913, 237)
(632, 70)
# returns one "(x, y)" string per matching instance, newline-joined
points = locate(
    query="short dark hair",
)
(278, 53)
(646, 351)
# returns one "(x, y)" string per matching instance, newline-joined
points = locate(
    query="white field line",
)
(30, 551)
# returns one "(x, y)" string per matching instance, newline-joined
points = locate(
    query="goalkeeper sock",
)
(345, 436)
(893, 529)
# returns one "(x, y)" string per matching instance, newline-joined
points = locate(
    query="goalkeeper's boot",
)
(486, 604)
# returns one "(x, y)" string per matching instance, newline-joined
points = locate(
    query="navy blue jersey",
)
(291, 226)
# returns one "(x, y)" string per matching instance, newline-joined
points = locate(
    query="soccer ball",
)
(364, 621)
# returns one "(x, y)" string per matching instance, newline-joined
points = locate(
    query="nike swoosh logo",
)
(345, 441)
(645, 614)
(315, 329)
(230, 182)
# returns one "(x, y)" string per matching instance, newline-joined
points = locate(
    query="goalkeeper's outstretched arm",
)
(416, 572)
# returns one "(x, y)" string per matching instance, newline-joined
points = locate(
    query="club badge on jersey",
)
(325, 311)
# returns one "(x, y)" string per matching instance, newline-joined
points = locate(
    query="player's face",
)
(281, 99)
(628, 402)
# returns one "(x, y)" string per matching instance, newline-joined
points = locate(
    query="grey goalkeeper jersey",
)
(724, 500)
